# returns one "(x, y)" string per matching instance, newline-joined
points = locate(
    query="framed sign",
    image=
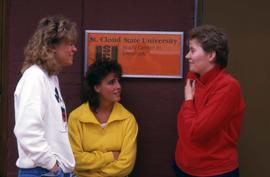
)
(148, 54)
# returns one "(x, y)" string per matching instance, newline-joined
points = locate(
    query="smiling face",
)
(200, 61)
(65, 53)
(109, 89)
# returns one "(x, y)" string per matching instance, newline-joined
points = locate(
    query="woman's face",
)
(109, 89)
(199, 61)
(65, 53)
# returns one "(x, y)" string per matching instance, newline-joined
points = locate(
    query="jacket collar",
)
(210, 75)
(207, 77)
(118, 113)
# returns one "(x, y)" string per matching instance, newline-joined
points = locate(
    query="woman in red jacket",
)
(211, 115)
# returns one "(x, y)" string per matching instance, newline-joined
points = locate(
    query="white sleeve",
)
(30, 106)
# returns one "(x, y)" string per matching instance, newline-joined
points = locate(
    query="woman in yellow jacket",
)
(102, 132)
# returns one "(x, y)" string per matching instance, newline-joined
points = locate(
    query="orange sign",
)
(141, 54)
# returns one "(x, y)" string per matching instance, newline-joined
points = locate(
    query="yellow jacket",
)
(92, 145)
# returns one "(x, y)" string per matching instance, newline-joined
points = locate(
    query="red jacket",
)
(209, 126)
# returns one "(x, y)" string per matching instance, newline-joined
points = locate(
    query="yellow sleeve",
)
(91, 161)
(125, 163)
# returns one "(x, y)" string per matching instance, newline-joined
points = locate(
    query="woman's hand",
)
(189, 89)
(116, 154)
(55, 168)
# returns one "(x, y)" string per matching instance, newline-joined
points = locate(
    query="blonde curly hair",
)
(51, 31)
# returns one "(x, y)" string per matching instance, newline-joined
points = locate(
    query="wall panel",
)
(247, 25)
(154, 102)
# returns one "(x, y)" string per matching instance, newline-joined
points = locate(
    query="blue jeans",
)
(41, 172)
(180, 173)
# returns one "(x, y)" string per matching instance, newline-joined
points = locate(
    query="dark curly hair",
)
(96, 72)
(212, 39)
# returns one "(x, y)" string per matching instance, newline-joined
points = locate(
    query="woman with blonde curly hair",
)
(40, 113)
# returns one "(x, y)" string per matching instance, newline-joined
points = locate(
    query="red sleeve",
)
(217, 112)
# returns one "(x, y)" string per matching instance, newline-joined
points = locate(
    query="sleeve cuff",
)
(108, 156)
(50, 164)
(188, 102)
(189, 105)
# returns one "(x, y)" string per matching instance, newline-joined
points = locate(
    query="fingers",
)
(188, 82)
(189, 89)
(193, 84)
(116, 154)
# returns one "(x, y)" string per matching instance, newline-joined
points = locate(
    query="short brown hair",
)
(51, 31)
(211, 39)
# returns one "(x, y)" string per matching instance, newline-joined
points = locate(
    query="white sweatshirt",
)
(41, 122)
